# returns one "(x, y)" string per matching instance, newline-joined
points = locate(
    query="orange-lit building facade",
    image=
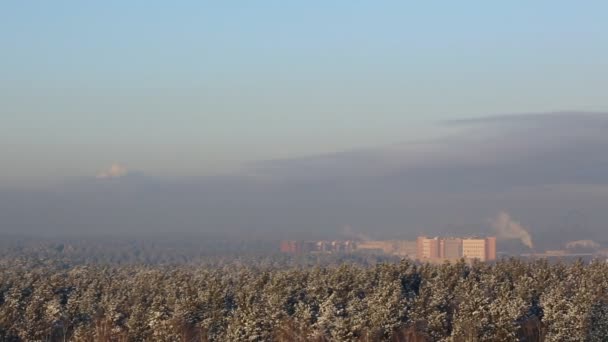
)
(290, 246)
(474, 248)
(437, 249)
(491, 248)
(428, 248)
(450, 248)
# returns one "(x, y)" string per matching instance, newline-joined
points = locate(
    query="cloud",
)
(483, 154)
(114, 171)
(538, 168)
(554, 118)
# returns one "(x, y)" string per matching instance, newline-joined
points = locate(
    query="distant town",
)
(432, 249)
(435, 249)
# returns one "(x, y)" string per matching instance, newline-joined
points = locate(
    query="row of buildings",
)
(301, 247)
(435, 249)
(402, 248)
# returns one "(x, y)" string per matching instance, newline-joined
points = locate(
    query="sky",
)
(197, 88)
(393, 118)
(546, 172)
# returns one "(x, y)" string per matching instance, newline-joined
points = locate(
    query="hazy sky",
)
(547, 171)
(192, 87)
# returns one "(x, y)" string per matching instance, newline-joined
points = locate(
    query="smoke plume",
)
(507, 229)
(348, 231)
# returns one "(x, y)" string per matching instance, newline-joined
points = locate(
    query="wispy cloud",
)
(543, 118)
(495, 152)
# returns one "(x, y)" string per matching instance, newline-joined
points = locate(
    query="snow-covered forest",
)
(46, 299)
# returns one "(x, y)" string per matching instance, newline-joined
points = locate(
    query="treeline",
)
(200, 250)
(507, 301)
(150, 250)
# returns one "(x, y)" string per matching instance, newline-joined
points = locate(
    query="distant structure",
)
(437, 249)
(403, 248)
(289, 246)
(450, 248)
(303, 247)
(483, 249)
(427, 248)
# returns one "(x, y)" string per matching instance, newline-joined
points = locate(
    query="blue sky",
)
(198, 87)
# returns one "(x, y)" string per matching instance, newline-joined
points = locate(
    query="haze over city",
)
(349, 171)
(394, 119)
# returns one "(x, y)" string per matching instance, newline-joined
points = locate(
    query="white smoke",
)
(582, 244)
(347, 230)
(114, 171)
(507, 229)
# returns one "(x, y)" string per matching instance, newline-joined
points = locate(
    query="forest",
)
(47, 297)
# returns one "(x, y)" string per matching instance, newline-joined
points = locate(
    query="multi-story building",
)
(342, 246)
(379, 246)
(474, 248)
(290, 246)
(323, 246)
(428, 248)
(491, 248)
(483, 249)
(437, 249)
(434, 249)
(403, 248)
(450, 248)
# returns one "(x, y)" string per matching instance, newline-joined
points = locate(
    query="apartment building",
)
(483, 249)
(437, 249)
(428, 248)
(450, 248)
